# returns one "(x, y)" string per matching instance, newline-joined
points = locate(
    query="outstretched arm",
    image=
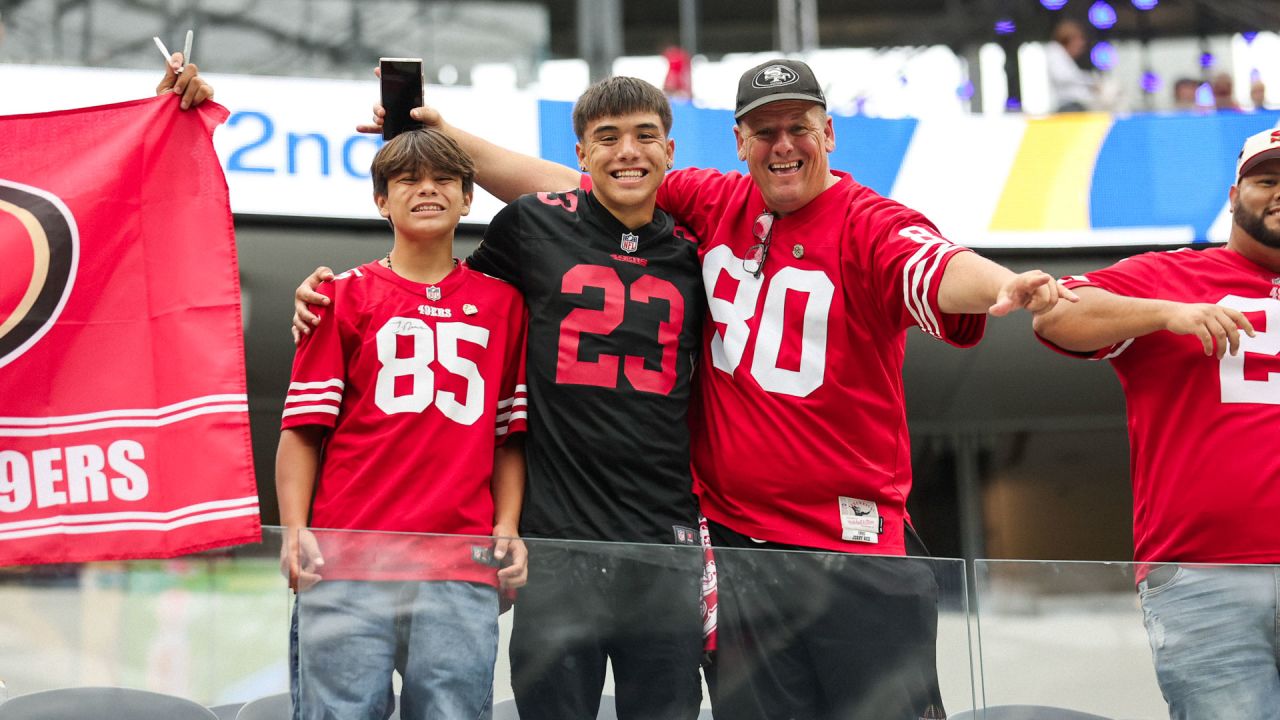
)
(1102, 319)
(972, 284)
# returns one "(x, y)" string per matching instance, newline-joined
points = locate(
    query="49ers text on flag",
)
(124, 429)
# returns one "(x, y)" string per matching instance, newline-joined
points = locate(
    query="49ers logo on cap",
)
(39, 249)
(774, 76)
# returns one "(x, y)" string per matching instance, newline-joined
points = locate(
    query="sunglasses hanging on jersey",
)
(762, 230)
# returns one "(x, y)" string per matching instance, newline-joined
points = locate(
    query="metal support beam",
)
(600, 35)
(788, 30)
(969, 495)
(689, 26)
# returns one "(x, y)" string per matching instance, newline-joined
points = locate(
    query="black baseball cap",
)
(777, 80)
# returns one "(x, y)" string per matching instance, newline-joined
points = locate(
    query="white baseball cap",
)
(1258, 148)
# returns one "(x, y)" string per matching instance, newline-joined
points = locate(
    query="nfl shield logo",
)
(630, 241)
(433, 293)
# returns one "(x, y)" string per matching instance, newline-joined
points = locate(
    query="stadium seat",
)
(270, 707)
(506, 710)
(228, 711)
(1025, 712)
(102, 703)
(280, 707)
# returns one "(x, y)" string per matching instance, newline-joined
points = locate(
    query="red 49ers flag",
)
(124, 428)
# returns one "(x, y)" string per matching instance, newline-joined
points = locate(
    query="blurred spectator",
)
(1223, 93)
(679, 81)
(1258, 94)
(1073, 88)
(1184, 93)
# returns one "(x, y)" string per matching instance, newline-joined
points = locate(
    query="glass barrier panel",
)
(1065, 635)
(864, 635)
(211, 627)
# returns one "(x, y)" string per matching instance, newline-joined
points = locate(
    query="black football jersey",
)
(614, 329)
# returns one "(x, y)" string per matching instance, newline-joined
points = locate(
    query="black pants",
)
(822, 636)
(637, 607)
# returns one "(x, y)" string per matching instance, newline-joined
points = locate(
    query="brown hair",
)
(418, 152)
(620, 96)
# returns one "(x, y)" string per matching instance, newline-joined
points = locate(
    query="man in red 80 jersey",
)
(399, 418)
(1194, 337)
(799, 425)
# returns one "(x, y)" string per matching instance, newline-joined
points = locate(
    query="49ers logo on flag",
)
(40, 269)
(123, 414)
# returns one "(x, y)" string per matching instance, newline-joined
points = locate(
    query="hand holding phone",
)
(401, 92)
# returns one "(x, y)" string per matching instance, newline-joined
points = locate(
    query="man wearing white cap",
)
(1194, 337)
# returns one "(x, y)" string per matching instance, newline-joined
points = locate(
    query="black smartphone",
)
(401, 92)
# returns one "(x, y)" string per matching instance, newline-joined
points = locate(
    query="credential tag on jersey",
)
(685, 535)
(483, 555)
(859, 520)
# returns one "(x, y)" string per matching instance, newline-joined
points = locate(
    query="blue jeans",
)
(442, 636)
(1213, 633)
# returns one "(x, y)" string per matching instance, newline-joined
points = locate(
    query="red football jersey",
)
(800, 430)
(1206, 477)
(419, 385)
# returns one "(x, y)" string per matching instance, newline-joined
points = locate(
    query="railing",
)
(214, 627)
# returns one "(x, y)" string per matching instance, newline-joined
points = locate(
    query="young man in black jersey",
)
(616, 305)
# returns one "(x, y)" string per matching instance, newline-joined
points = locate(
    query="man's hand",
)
(185, 82)
(1034, 291)
(303, 318)
(1217, 327)
(513, 557)
(300, 559)
(426, 115)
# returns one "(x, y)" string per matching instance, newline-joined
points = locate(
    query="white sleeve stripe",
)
(912, 275)
(922, 280)
(333, 382)
(501, 431)
(928, 282)
(1119, 349)
(906, 288)
(920, 293)
(310, 397)
(513, 415)
(309, 409)
(517, 400)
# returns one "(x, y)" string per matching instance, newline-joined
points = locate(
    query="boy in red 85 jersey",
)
(616, 309)
(399, 418)
(1194, 337)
